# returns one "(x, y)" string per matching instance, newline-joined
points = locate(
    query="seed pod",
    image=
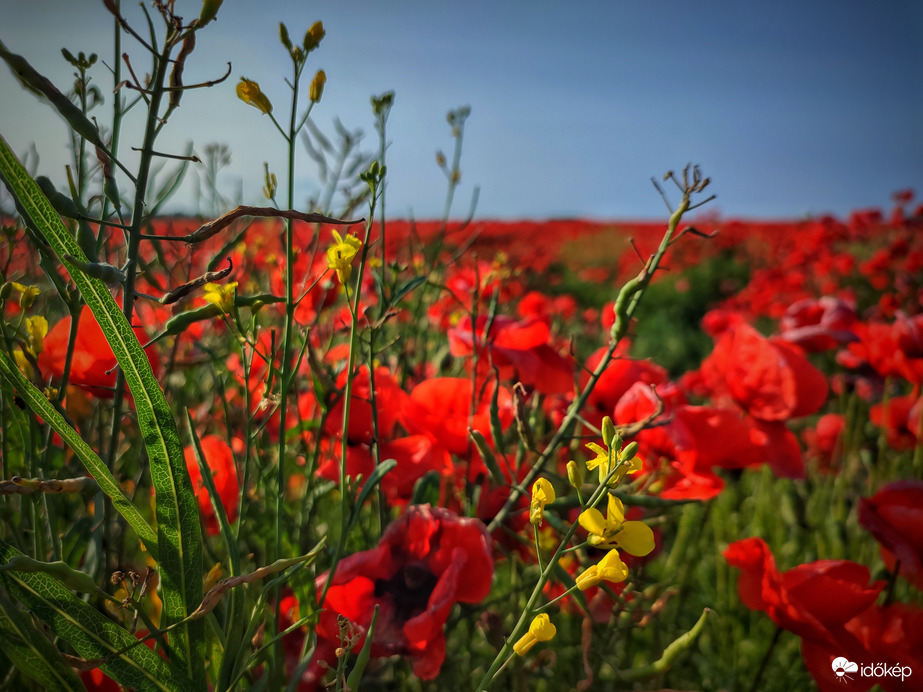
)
(62, 204)
(105, 272)
(42, 86)
(490, 461)
(209, 11)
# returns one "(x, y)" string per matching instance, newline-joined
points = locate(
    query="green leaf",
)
(179, 536)
(91, 461)
(32, 653)
(90, 632)
(406, 288)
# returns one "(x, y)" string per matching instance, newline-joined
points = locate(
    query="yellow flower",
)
(541, 630)
(542, 494)
(606, 460)
(249, 92)
(36, 331)
(612, 531)
(611, 568)
(221, 295)
(341, 254)
(27, 294)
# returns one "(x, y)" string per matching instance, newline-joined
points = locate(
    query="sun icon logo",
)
(842, 666)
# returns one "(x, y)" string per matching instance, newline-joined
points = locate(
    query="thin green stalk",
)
(626, 304)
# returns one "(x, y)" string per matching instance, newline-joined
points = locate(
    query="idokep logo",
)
(843, 667)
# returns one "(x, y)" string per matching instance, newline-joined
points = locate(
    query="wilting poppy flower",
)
(220, 460)
(894, 516)
(93, 363)
(425, 562)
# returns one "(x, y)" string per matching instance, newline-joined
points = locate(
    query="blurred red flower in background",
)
(818, 601)
(894, 516)
(426, 561)
(220, 460)
(93, 363)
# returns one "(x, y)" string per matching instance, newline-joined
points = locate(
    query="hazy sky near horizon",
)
(791, 107)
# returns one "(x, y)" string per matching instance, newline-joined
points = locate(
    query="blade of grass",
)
(91, 461)
(32, 653)
(178, 530)
(90, 632)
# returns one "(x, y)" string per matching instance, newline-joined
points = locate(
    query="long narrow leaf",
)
(90, 632)
(178, 531)
(91, 461)
(32, 653)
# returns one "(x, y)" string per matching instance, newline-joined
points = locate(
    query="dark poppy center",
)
(409, 589)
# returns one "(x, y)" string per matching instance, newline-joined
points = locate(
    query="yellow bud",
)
(314, 36)
(575, 474)
(317, 86)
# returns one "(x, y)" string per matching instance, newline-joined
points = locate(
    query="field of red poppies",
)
(274, 449)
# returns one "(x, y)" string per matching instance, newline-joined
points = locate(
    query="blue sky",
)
(791, 107)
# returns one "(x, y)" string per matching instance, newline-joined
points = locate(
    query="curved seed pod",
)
(62, 204)
(105, 272)
(42, 86)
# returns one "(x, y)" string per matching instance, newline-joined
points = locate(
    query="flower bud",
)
(316, 89)
(629, 452)
(575, 474)
(542, 494)
(541, 630)
(608, 431)
(313, 37)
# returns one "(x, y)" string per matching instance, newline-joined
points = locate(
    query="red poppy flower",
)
(416, 455)
(823, 439)
(808, 599)
(220, 460)
(769, 378)
(425, 562)
(900, 417)
(389, 400)
(521, 350)
(818, 325)
(93, 363)
(440, 407)
(619, 376)
(894, 516)
(816, 601)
